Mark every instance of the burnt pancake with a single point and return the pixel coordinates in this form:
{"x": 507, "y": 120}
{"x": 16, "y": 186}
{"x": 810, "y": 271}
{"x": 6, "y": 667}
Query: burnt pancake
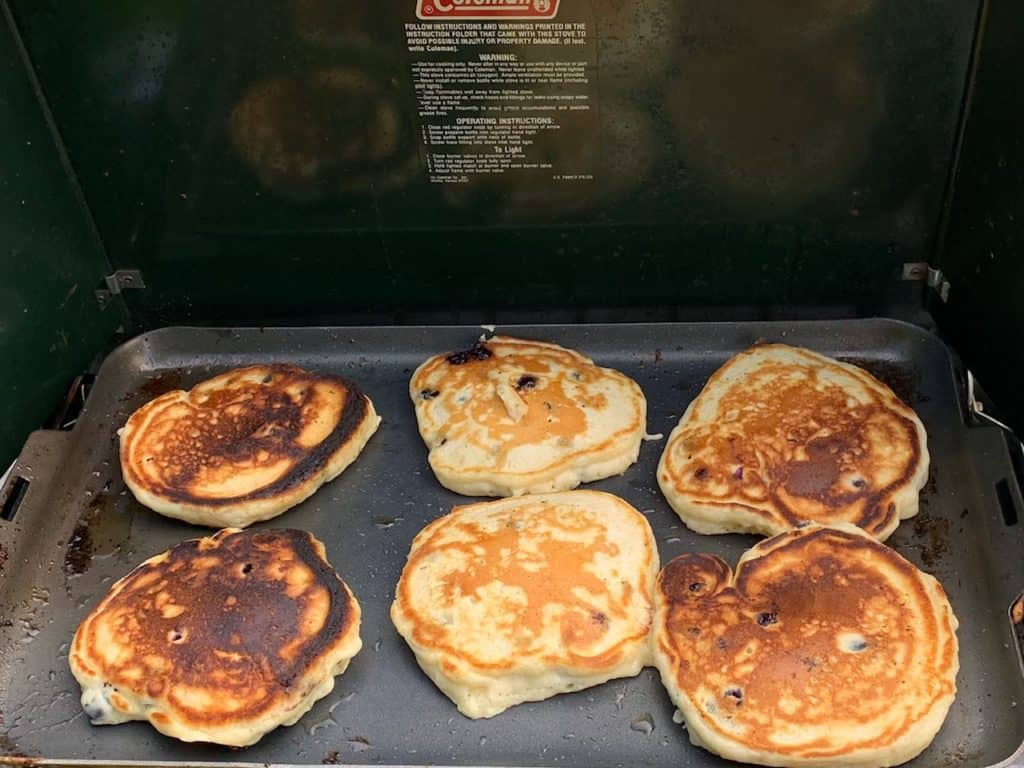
{"x": 824, "y": 648}
{"x": 522, "y": 599}
{"x": 513, "y": 416}
{"x": 245, "y": 445}
{"x": 782, "y": 435}
{"x": 220, "y": 639}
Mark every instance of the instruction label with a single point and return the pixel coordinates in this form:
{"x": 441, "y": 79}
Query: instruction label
{"x": 503, "y": 97}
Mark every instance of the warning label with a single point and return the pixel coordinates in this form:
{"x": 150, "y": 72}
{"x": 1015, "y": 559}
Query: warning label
{"x": 498, "y": 97}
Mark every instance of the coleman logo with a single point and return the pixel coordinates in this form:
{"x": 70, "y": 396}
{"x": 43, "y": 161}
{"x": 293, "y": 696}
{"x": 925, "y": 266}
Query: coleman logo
{"x": 447, "y": 10}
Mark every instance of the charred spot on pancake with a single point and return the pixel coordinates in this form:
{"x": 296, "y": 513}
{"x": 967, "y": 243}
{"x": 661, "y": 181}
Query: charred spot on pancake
{"x": 477, "y": 352}
{"x": 689, "y": 578}
{"x": 599, "y": 618}
{"x": 859, "y": 482}
{"x": 701, "y": 473}
{"x": 268, "y": 378}
{"x": 429, "y": 394}
{"x": 736, "y": 694}
{"x": 247, "y": 568}
{"x": 721, "y": 644}
{"x": 767, "y": 618}
{"x": 737, "y": 473}
{"x": 526, "y": 382}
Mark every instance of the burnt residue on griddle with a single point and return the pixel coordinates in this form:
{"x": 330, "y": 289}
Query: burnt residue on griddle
{"x": 901, "y": 379}
{"x": 154, "y": 386}
{"x": 100, "y": 530}
{"x": 79, "y": 552}
{"x": 331, "y": 758}
{"x": 930, "y": 488}
{"x": 3, "y": 557}
{"x": 932, "y": 536}
{"x": 477, "y": 352}
{"x": 9, "y": 750}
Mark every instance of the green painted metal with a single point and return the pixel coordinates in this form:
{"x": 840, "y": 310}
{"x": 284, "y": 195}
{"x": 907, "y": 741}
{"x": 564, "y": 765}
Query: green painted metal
{"x": 51, "y": 262}
{"x": 983, "y": 254}
{"x": 791, "y": 155}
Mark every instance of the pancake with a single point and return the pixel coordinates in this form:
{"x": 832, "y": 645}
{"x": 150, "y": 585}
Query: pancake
{"x": 782, "y": 435}
{"x": 244, "y": 446}
{"x": 824, "y": 648}
{"x": 522, "y": 599}
{"x": 220, "y": 639}
{"x": 511, "y": 416}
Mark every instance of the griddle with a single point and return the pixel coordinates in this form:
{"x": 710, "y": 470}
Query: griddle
{"x": 77, "y": 530}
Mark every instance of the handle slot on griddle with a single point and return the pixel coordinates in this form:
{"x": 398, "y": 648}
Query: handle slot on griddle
{"x": 1006, "y": 505}
{"x": 13, "y": 495}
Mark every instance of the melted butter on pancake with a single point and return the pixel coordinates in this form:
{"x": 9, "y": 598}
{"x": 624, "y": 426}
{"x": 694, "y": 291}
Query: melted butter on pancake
{"x": 824, "y": 644}
{"x": 514, "y": 414}
{"x": 781, "y": 435}
{"x": 554, "y": 585}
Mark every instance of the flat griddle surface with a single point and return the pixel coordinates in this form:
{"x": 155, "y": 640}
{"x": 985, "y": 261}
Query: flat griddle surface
{"x": 78, "y": 530}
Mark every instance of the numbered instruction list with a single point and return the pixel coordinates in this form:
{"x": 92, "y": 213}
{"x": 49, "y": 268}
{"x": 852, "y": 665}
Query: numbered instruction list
{"x": 492, "y": 95}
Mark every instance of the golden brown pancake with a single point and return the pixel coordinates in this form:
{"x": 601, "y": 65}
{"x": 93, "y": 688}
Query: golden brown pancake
{"x": 782, "y": 435}
{"x": 824, "y": 648}
{"x": 244, "y": 446}
{"x": 521, "y": 599}
{"x": 513, "y": 416}
{"x": 220, "y": 639}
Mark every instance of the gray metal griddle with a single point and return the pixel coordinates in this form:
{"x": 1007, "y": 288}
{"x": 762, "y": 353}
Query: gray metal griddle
{"x": 78, "y": 529}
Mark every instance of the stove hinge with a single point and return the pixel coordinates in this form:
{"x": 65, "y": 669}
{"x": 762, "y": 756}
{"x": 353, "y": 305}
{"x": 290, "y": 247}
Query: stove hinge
{"x": 924, "y": 272}
{"x": 118, "y": 281}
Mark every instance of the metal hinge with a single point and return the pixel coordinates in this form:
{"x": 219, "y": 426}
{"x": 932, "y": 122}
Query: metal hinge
{"x": 924, "y": 272}
{"x": 120, "y": 280}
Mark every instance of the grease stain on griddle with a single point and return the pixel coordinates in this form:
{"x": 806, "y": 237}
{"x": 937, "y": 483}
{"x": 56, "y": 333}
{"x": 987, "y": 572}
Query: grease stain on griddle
{"x": 99, "y": 532}
{"x": 901, "y": 379}
{"x": 359, "y": 743}
{"x": 154, "y": 386}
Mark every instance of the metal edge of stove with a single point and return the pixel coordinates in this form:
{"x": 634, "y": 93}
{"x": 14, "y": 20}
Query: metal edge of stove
{"x": 46, "y": 451}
